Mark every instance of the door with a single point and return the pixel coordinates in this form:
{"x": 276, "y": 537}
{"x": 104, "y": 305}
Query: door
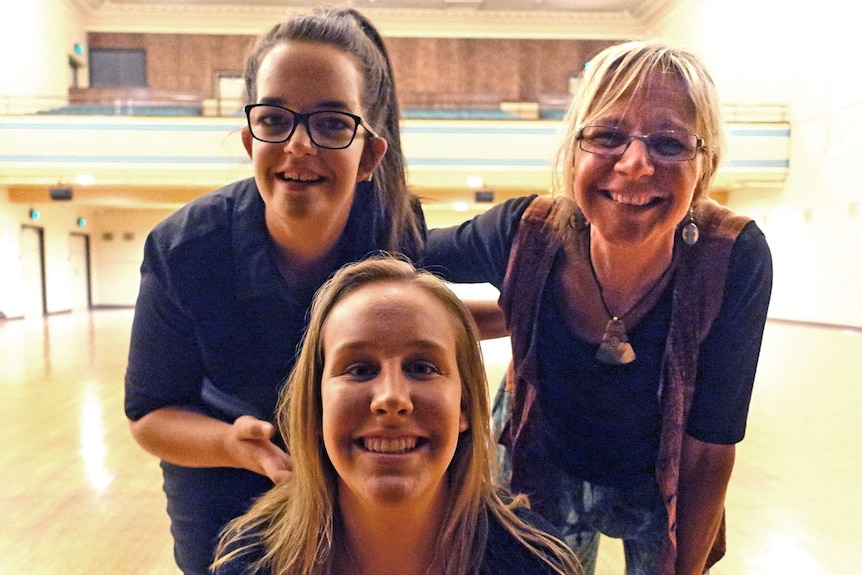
{"x": 79, "y": 271}
{"x": 33, "y": 271}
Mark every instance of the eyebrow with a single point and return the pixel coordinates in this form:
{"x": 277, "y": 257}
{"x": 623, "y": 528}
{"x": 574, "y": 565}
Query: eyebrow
{"x": 323, "y": 105}
{"x": 363, "y": 344}
{"x": 661, "y": 127}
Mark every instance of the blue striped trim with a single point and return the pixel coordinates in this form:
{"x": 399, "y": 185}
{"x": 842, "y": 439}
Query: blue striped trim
{"x": 756, "y": 164}
{"x": 520, "y": 163}
{"x": 491, "y": 162}
{"x": 760, "y": 132}
{"x": 405, "y": 128}
{"x": 513, "y": 130}
{"x": 125, "y": 159}
{"x": 137, "y": 127}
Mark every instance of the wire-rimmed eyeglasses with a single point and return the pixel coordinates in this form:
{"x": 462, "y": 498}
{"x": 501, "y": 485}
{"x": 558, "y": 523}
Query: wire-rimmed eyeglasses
{"x": 667, "y": 145}
{"x": 333, "y": 130}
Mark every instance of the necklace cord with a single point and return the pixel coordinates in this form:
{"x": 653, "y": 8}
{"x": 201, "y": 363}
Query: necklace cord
{"x": 640, "y": 300}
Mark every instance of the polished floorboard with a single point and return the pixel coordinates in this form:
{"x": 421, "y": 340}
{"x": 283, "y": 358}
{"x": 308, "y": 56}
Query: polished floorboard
{"x": 79, "y": 496}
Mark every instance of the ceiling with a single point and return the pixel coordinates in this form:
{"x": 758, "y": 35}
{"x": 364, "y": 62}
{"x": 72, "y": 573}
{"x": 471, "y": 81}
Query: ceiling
{"x": 474, "y": 18}
{"x": 487, "y": 5}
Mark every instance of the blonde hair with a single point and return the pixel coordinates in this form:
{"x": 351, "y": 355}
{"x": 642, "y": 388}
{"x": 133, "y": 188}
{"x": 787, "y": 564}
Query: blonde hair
{"x": 619, "y": 71}
{"x": 294, "y": 528}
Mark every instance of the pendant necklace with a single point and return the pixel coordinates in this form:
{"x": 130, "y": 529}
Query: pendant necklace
{"x": 615, "y": 348}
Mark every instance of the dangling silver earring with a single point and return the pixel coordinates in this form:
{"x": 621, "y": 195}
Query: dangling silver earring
{"x": 690, "y": 231}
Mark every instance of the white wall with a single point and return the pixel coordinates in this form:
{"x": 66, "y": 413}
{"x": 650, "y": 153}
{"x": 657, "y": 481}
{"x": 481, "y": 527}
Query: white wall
{"x": 36, "y": 39}
{"x": 804, "y": 54}
{"x": 116, "y": 249}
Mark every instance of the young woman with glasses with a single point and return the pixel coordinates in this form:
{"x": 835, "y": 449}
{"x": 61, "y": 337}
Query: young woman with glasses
{"x": 636, "y": 308}
{"x": 227, "y": 281}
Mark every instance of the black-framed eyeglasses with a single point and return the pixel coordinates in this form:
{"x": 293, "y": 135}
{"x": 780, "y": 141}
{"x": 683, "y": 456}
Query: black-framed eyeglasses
{"x": 327, "y": 128}
{"x": 668, "y": 145}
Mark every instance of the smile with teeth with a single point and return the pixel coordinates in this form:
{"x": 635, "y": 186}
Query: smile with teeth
{"x": 633, "y": 199}
{"x": 389, "y": 445}
{"x": 297, "y": 177}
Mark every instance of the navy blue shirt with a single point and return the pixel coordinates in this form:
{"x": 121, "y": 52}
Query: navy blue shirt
{"x": 604, "y": 421}
{"x": 216, "y": 327}
{"x": 216, "y": 331}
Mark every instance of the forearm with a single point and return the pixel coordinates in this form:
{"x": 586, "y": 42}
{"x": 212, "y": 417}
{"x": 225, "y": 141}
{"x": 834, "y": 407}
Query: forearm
{"x": 704, "y": 475}
{"x": 489, "y": 318}
{"x": 183, "y": 437}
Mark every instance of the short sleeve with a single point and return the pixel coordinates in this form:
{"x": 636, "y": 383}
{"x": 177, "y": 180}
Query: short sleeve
{"x": 728, "y": 357}
{"x": 165, "y": 365}
{"x": 476, "y": 251}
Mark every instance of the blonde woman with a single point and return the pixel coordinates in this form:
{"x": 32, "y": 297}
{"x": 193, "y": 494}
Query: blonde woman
{"x": 386, "y": 418}
{"x": 636, "y": 307}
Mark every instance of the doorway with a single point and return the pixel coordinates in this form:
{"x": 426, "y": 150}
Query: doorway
{"x": 79, "y": 271}
{"x": 33, "y": 270}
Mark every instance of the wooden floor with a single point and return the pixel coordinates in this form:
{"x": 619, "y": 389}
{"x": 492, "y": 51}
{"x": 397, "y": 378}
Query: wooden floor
{"x": 79, "y": 496}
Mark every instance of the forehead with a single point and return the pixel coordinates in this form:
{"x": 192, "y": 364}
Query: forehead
{"x": 660, "y": 101}
{"x": 306, "y": 70}
{"x": 390, "y": 310}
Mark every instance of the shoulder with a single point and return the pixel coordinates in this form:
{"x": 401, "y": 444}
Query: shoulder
{"x": 554, "y": 208}
{"x": 202, "y": 240}
{"x": 508, "y": 212}
{"x": 726, "y": 234}
{"x": 750, "y": 266}
{"x": 750, "y": 255}
{"x": 209, "y": 214}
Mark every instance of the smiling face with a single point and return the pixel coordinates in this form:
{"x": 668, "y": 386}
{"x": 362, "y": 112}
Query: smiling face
{"x": 391, "y": 395}
{"x": 297, "y": 180}
{"x": 634, "y": 199}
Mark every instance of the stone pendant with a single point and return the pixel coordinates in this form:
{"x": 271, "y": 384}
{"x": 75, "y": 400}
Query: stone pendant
{"x": 615, "y": 348}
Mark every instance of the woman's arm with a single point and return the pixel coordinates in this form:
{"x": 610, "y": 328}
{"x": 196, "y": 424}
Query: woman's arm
{"x": 187, "y": 438}
{"x": 489, "y": 318}
{"x": 705, "y": 470}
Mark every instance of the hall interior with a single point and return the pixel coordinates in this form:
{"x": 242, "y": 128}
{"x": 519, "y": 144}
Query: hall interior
{"x": 81, "y": 497}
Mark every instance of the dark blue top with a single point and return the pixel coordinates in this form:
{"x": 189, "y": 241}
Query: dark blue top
{"x": 216, "y": 327}
{"x": 216, "y": 331}
{"x": 604, "y": 421}
{"x": 504, "y": 555}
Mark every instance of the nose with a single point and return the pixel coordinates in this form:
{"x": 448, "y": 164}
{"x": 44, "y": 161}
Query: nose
{"x": 299, "y": 141}
{"x": 391, "y": 393}
{"x": 635, "y": 160}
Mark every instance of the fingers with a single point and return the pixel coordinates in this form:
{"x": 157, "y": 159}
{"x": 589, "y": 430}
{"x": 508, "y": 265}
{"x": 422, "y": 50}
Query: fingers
{"x": 278, "y": 468}
{"x": 248, "y": 427}
{"x": 256, "y": 450}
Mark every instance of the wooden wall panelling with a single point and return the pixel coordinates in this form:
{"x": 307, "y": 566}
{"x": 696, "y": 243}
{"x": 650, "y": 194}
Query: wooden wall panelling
{"x": 164, "y": 60}
{"x": 426, "y": 69}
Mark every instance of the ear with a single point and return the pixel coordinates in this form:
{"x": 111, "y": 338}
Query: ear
{"x": 372, "y": 153}
{"x": 246, "y": 140}
{"x": 463, "y": 422}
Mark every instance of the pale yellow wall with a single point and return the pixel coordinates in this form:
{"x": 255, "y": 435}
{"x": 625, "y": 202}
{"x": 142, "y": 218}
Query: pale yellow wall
{"x": 56, "y": 221}
{"x": 36, "y": 38}
{"x": 11, "y": 303}
{"x": 808, "y": 56}
{"x": 117, "y": 249}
